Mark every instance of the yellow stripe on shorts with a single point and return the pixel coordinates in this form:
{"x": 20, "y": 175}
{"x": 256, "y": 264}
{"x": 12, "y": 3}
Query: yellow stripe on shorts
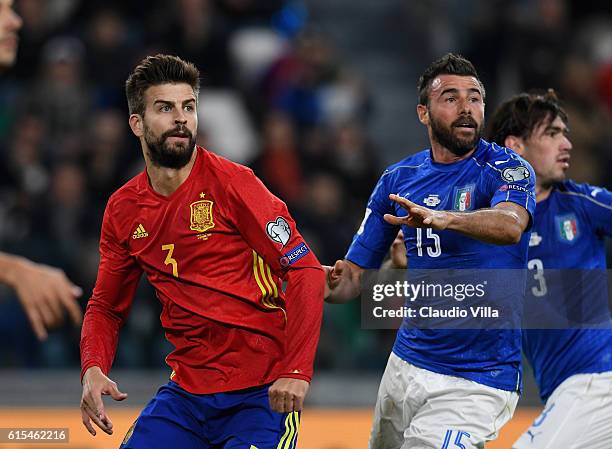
{"x": 289, "y": 438}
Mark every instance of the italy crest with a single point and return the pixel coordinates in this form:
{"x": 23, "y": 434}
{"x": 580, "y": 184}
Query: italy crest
{"x": 567, "y": 226}
{"x": 201, "y": 215}
{"x": 463, "y": 198}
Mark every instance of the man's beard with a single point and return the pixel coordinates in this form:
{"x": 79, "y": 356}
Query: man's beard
{"x": 549, "y": 181}
{"x": 444, "y": 136}
{"x": 164, "y": 155}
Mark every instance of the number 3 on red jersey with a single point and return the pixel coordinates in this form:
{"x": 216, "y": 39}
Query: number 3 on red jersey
{"x": 169, "y": 260}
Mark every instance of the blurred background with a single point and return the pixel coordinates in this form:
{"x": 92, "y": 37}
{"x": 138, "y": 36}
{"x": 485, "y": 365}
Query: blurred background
{"x": 317, "y": 96}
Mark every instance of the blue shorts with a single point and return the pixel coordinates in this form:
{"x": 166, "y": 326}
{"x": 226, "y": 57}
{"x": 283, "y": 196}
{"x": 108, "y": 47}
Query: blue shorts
{"x": 235, "y": 420}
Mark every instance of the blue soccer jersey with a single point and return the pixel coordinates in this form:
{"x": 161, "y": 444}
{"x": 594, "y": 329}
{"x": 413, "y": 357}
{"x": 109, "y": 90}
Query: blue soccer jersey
{"x": 490, "y": 176}
{"x": 569, "y": 230}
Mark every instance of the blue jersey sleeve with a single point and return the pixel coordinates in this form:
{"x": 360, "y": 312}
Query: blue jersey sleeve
{"x": 597, "y": 204}
{"x": 374, "y": 237}
{"x": 512, "y": 180}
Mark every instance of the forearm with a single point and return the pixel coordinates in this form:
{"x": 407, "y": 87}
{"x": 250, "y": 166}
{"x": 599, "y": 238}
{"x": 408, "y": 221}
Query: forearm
{"x": 10, "y": 266}
{"x": 99, "y": 337}
{"x": 497, "y": 226}
{"x": 304, "y": 303}
{"x": 107, "y": 311}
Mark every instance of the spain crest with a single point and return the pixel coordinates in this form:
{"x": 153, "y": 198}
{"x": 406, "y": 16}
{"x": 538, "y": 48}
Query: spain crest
{"x": 201, "y": 215}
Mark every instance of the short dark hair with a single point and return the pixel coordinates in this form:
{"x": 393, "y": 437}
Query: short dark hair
{"x": 522, "y": 114}
{"x": 155, "y": 70}
{"x": 449, "y": 64}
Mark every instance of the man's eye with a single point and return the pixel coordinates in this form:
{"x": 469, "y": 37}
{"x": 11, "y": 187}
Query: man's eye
{"x": 451, "y": 99}
{"x": 165, "y": 108}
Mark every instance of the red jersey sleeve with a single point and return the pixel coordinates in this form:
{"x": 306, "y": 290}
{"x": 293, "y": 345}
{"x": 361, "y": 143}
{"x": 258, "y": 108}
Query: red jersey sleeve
{"x": 265, "y": 224}
{"x": 108, "y": 307}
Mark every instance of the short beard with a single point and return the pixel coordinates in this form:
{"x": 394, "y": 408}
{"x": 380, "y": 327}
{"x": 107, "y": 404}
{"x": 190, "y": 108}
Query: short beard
{"x": 550, "y": 182}
{"x": 444, "y": 136}
{"x": 162, "y": 155}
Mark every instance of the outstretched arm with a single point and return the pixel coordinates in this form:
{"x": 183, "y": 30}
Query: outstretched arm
{"x": 502, "y": 224}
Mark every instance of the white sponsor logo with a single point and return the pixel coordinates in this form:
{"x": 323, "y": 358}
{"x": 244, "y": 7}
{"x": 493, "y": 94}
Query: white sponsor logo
{"x": 595, "y": 191}
{"x": 279, "y": 230}
{"x": 432, "y": 200}
{"x": 515, "y": 173}
{"x": 534, "y": 239}
{"x": 501, "y": 162}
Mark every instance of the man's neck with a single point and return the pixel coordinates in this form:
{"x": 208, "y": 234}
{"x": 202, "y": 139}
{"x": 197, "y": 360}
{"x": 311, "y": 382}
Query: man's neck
{"x": 165, "y": 180}
{"x": 542, "y": 192}
{"x": 443, "y": 155}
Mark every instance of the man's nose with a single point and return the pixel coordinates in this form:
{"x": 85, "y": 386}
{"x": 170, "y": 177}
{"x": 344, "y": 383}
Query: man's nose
{"x": 464, "y": 106}
{"x": 14, "y": 22}
{"x": 180, "y": 117}
{"x": 566, "y": 144}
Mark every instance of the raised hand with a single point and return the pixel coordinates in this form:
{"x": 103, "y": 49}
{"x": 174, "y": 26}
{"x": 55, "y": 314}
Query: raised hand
{"x": 418, "y": 216}
{"x": 343, "y": 282}
{"x": 45, "y": 293}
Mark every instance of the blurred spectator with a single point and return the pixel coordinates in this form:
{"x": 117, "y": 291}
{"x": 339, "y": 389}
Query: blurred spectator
{"x": 26, "y": 168}
{"x": 541, "y": 43}
{"x": 106, "y": 153}
{"x": 249, "y": 12}
{"x": 589, "y": 123}
{"x": 293, "y": 82}
{"x": 252, "y": 51}
{"x": 34, "y": 34}
{"x": 193, "y": 30}
{"x": 279, "y": 164}
{"x": 323, "y": 218}
{"x": 355, "y": 161}
{"x": 107, "y": 42}
{"x": 60, "y": 97}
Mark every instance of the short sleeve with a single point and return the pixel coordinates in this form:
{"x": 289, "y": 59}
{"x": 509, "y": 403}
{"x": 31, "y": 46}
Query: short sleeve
{"x": 512, "y": 180}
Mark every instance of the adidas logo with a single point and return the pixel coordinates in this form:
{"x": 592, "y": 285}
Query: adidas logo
{"x": 140, "y": 232}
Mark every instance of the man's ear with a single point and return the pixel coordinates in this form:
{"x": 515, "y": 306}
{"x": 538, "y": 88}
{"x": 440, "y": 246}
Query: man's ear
{"x": 423, "y": 114}
{"x": 515, "y": 143}
{"x": 136, "y": 124}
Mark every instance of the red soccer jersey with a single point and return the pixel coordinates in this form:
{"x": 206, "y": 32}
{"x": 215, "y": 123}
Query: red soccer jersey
{"x": 216, "y": 251}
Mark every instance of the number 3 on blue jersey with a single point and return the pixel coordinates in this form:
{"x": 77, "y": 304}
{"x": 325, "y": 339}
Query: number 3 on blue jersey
{"x": 541, "y": 289}
{"x": 457, "y": 443}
